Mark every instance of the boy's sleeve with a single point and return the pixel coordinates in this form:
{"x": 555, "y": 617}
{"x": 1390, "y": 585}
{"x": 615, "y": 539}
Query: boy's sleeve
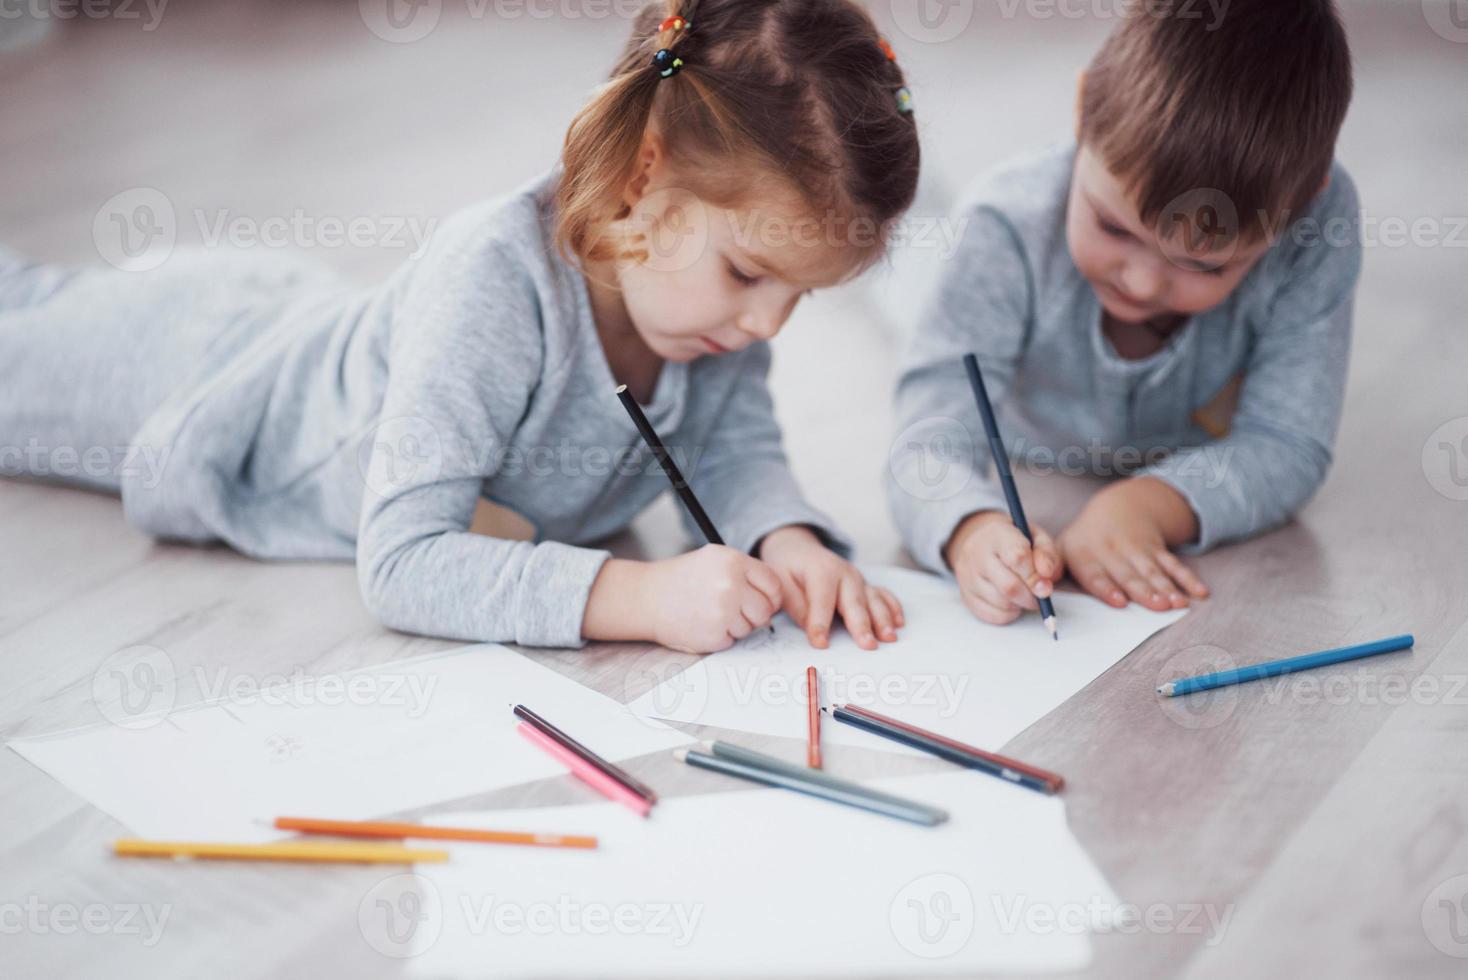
{"x": 463, "y": 362}
{"x": 1278, "y": 448}
{"x": 742, "y": 478}
{"x": 939, "y": 462}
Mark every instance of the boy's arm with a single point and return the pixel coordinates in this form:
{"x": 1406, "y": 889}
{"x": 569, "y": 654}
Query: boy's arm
{"x": 937, "y": 469}
{"x": 1278, "y": 448}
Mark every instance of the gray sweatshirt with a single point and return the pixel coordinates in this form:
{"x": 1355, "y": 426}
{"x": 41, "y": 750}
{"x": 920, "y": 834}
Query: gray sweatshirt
{"x": 1067, "y": 402}
{"x": 367, "y": 425}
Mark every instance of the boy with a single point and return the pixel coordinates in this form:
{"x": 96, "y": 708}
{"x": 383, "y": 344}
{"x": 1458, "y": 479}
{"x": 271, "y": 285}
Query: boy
{"x": 1168, "y": 298}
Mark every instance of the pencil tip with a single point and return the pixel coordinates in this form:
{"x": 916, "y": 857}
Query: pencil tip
{"x": 621, "y": 388}
{"x": 1053, "y": 627}
{"x": 1165, "y": 689}
{"x": 681, "y": 755}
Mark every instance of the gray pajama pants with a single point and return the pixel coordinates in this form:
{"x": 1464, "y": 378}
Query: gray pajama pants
{"x": 88, "y": 353}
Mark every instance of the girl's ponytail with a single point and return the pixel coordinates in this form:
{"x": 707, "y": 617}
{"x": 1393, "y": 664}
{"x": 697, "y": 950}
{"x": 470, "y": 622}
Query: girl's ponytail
{"x": 602, "y": 145}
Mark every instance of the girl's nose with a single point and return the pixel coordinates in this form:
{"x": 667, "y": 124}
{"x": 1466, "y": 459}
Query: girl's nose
{"x": 761, "y": 325}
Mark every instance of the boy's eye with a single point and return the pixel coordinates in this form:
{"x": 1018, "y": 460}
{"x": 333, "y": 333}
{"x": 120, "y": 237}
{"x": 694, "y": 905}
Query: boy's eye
{"x": 1115, "y": 231}
{"x": 740, "y": 277}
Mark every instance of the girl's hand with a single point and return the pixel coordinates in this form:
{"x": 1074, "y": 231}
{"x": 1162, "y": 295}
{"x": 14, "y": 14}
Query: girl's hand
{"x": 1118, "y": 546}
{"x": 816, "y": 583}
{"x": 700, "y": 602}
{"x": 999, "y": 572}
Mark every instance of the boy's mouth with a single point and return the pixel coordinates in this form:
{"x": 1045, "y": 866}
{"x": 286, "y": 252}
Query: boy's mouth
{"x": 714, "y": 346}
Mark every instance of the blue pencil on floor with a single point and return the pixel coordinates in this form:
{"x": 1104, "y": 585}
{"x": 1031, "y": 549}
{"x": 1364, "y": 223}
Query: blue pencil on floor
{"x": 1289, "y": 665}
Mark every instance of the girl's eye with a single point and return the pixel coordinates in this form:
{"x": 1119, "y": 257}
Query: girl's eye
{"x": 740, "y": 277}
{"x": 1113, "y": 230}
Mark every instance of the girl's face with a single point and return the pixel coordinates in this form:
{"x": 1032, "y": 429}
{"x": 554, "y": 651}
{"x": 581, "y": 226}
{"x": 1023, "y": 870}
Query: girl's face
{"x": 711, "y": 281}
{"x": 1142, "y": 273}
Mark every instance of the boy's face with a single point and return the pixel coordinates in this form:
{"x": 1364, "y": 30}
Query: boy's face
{"x": 1143, "y": 273}
{"x": 711, "y": 281}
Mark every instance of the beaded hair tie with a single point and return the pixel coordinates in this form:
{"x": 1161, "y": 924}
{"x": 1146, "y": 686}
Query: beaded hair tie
{"x": 667, "y": 63}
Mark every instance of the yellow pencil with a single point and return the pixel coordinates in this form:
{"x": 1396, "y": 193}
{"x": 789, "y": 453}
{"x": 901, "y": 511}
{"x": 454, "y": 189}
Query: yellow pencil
{"x": 285, "y": 851}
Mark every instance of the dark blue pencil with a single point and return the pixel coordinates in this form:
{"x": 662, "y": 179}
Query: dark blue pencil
{"x": 1006, "y": 479}
{"x": 1289, "y": 665}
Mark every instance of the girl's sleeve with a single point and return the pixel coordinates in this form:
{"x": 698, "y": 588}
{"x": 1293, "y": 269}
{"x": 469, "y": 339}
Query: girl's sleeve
{"x": 742, "y": 478}
{"x": 466, "y": 354}
{"x": 1278, "y": 448}
{"x": 939, "y": 462}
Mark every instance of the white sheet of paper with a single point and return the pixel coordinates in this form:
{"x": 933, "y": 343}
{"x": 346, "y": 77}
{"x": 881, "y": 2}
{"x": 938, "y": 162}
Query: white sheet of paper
{"x": 755, "y": 882}
{"x": 346, "y": 747}
{"x": 948, "y": 672}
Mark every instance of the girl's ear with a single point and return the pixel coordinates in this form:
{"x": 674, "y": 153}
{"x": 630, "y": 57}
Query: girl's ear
{"x": 651, "y": 161}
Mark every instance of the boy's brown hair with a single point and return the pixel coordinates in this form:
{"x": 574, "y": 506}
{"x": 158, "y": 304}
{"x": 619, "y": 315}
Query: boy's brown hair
{"x": 1248, "y": 105}
{"x": 801, "y": 91}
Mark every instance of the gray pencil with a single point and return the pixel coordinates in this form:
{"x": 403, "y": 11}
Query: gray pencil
{"x": 731, "y": 760}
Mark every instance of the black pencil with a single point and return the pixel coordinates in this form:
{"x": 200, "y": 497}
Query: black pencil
{"x": 571, "y": 745}
{"x": 1006, "y": 479}
{"x": 685, "y": 492}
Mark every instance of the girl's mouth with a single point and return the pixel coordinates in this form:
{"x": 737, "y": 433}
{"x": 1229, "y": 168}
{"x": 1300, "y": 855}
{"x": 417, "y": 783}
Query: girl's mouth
{"x": 714, "y": 347}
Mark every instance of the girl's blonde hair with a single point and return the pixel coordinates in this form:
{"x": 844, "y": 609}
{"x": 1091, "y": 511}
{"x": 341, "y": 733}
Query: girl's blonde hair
{"x": 802, "y": 90}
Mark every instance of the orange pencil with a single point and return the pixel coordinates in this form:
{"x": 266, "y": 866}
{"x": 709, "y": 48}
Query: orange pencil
{"x": 813, "y": 718}
{"x": 379, "y": 828}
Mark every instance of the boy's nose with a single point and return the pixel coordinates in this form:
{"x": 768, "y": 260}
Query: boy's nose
{"x": 1141, "y": 281}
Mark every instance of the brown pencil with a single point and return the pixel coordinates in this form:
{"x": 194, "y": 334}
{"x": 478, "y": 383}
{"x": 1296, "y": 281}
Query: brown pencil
{"x": 813, "y": 718}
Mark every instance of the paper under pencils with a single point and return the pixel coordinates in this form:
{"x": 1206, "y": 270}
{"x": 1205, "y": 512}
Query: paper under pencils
{"x": 1288, "y": 665}
{"x": 813, "y": 718}
{"x": 585, "y": 771}
{"x": 1006, "y": 478}
{"x": 381, "y": 828}
{"x": 284, "y": 851}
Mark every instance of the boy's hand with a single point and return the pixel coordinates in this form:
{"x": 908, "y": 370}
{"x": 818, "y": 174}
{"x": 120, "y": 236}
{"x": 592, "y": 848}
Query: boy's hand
{"x": 816, "y": 583}
{"x": 1119, "y": 546}
{"x": 999, "y": 573}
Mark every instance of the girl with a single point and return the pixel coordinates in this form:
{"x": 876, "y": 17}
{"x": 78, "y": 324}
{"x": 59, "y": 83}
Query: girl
{"x": 743, "y": 153}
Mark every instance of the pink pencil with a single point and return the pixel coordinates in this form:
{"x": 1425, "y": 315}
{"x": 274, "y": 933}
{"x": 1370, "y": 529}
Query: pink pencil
{"x": 587, "y": 773}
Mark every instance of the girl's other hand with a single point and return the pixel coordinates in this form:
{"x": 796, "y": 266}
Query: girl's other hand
{"x": 816, "y": 584}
